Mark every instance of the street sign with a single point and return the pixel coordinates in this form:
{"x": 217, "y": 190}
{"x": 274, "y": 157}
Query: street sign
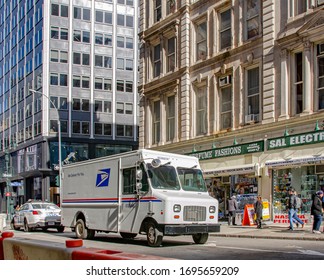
{"x": 6, "y": 175}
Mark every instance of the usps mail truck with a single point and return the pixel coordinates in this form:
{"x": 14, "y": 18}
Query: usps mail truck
{"x": 139, "y": 192}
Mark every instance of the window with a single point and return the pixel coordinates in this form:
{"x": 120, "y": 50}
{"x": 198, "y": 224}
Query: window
{"x": 201, "y": 110}
{"x": 64, "y": 34}
{"x": 120, "y": 20}
{"x": 157, "y": 61}
{"x": 120, "y": 108}
{"x": 55, "y": 9}
{"x": 63, "y": 79}
{"x": 77, "y": 35}
{"x": 129, "y": 43}
{"x": 129, "y": 21}
{"x": 98, "y": 106}
{"x": 170, "y": 125}
{"x": 298, "y": 7}
{"x": 98, "y": 38}
{"x": 85, "y": 36}
{"x": 129, "y": 181}
{"x": 104, "y": 129}
{"x": 170, "y": 8}
{"x": 120, "y": 85}
{"x": 129, "y": 86}
{"x": 86, "y": 14}
{"x": 54, "y": 56}
{"x": 77, "y": 13}
{"x": 63, "y": 103}
{"x": 156, "y": 122}
{"x": 107, "y": 84}
{"x": 54, "y": 32}
{"x": 320, "y": 79}
{"x": 157, "y": 10}
{"x": 120, "y": 42}
{"x": 128, "y": 108}
{"x": 171, "y": 54}
{"x": 76, "y": 81}
{"x": 226, "y": 107}
{"x": 108, "y": 39}
{"x": 253, "y": 94}
{"x": 76, "y": 127}
{"x": 54, "y": 79}
{"x": 99, "y": 16}
{"x": 225, "y": 30}
{"x": 64, "y": 11}
{"x": 85, "y": 105}
{"x": 298, "y": 83}
{"x": 201, "y": 41}
{"x": 252, "y": 18}
{"x": 85, "y": 82}
{"x": 129, "y": 65}
{"x": 85, "y": 127}
{"x": 76, "y": 58}
{"x": 76, "y": 105}
{"x": 107, "y": 62}
{"x": 63, "y": 57}
{"x": 98, "y": 83}
{"x": 107, "y": 107}
{"x": 120, "y": 63}
{"x": 98, "y": 60}
{"x": 85, "y": 59}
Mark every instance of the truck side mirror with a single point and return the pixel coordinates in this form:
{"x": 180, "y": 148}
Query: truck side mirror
{"x": 138, "y": 186}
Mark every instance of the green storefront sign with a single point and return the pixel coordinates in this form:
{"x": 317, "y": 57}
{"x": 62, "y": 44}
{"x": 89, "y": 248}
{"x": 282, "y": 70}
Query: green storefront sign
{"x": 295, "y": 140}
{"x": 236, "y": 150}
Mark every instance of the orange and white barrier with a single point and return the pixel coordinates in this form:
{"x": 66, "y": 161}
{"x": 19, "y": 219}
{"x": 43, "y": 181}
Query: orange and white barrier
{"x": 27, "y": 249}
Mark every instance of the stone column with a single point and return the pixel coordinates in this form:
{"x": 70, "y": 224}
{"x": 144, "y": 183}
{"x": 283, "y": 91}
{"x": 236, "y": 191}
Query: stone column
{"x": 307, "y": 96}
{"x": 284, "y": 90}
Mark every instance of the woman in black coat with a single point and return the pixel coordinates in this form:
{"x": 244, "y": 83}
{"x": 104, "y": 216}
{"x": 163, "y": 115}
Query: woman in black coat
{"x": 258, "y": 208}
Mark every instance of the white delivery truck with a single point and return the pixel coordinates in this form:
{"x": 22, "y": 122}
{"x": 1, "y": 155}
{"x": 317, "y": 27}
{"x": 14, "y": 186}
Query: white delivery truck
{"x": 138, "y": 192}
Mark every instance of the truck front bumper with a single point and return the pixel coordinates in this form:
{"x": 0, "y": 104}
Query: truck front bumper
{"x": 190, "y": 229}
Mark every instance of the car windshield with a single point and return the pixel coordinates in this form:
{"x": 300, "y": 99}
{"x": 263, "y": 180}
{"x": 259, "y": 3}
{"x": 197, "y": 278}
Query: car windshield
{"x": 191, "y": 179}
{"x": 46, "y": 206}
{"x": 163, "y": 177}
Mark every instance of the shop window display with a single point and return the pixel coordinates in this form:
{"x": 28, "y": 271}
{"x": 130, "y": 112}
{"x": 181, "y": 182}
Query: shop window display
{"x": 302, "y": 179}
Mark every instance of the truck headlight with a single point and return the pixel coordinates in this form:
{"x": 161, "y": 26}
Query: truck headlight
{"x": 176, "y": 208}
{"x": 212, "y": 209}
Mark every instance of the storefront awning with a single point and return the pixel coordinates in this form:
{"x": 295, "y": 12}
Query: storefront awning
{"x": 310, "y": 160}
{"x": 233, "y": 170}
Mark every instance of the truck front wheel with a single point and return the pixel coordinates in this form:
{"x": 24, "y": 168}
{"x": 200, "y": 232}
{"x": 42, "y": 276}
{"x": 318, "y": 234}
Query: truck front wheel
{"x": 154, "y": 236}
{"x": 200, "y": 238}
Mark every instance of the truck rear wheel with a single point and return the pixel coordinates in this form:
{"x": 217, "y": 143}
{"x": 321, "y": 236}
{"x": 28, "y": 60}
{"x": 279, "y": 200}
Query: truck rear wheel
{"x": 200, "y": 238}
{"x": 154, "y": 236}
{"x": 80, "y": 229}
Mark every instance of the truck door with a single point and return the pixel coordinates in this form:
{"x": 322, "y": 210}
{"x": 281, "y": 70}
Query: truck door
{"x": 132, "y": 206}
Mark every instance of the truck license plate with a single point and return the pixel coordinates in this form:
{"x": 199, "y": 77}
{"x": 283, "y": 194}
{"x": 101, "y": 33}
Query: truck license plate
{"x": 51, "y": 223}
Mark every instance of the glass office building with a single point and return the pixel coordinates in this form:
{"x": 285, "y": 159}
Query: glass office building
{"x": 67, "y": 60}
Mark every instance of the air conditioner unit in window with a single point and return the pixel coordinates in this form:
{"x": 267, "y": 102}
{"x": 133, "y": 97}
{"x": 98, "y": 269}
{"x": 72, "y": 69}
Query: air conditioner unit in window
{"x": 251, "y": 118}
{"x": 225, "y": 80}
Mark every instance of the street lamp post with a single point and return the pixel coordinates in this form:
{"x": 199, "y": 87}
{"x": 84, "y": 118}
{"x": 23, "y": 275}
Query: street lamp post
{"x": 59, "y": 134}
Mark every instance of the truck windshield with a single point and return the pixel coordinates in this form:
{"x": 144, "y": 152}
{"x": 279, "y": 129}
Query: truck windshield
{"x": 192, "y": 179}
{"x": 163, "y": 177}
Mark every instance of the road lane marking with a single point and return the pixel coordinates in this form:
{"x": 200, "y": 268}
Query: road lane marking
{"x": 299, "y": 252}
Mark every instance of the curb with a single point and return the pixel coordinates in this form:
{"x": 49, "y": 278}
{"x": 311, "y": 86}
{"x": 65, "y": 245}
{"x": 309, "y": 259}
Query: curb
{"x": 269, "y": 237}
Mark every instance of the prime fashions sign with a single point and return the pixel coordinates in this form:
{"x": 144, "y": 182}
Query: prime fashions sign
{"x": 230, "y": 151}
{"x": 295, "y": 140}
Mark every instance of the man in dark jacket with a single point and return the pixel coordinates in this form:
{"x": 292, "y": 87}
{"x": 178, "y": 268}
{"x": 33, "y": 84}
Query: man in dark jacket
{"x": 231, "y": 208}
{"x": 292, "y": 210}
{"x": 317, "y": 211}
{"x": 258, "y": 209}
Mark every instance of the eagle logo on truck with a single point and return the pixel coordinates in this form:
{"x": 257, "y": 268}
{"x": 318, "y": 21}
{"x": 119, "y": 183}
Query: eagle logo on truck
{"x": 103, "y": 178}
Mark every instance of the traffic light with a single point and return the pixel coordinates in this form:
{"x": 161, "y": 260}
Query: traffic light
{"x": 57, "y": 180}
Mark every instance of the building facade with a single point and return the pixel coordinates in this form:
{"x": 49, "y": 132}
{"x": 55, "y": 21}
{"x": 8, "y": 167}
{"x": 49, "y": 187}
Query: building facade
{"x": 238, "y": 84}
{"x": 67, "y": 60}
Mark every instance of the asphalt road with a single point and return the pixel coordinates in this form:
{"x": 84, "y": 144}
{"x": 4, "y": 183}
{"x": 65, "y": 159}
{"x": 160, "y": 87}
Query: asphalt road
{"x": 182, "y": 247}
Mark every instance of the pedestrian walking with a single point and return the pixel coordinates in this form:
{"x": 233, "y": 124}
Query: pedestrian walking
{"x": 258, "y": 208}
{"x": 317, "y": 211}
{"x": 231, "y": 208}
{"x": 292, "y": 209}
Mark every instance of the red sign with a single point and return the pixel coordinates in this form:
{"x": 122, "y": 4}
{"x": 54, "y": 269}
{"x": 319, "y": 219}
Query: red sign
{"x": 283, "y": 219}
{"x": 8, "y": 193}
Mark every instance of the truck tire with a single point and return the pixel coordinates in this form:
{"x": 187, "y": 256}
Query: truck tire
{"x": 12, "y": 225}
{"x": 128, "y": 235}
{"x": 154, "y": 236}
{"x": 60, "y": 229}
{"x": 80, "y": 229}
{"x": 200, "y": 238}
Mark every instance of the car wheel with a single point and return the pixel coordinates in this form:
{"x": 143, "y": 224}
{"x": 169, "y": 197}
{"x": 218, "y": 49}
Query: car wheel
{"x": 154, "y": 236}
{"x": 128, "y": 235}
{"x": 12, "y": 225}
{"x": 60, "y": 229}
{"x": 80, "y": 229}
{"x": 27, "y": 228}
{"x": 200, "y": 238}
{"x": 44, "y": 229}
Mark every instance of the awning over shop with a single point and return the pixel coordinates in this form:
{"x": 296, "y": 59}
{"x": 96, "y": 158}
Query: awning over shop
{"x": 310, "y": 160}
{"x": 233, "y": 170}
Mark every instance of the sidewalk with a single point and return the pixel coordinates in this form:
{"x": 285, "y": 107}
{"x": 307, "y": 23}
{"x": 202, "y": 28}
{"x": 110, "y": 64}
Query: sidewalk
{"x": 270, "y": 231}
